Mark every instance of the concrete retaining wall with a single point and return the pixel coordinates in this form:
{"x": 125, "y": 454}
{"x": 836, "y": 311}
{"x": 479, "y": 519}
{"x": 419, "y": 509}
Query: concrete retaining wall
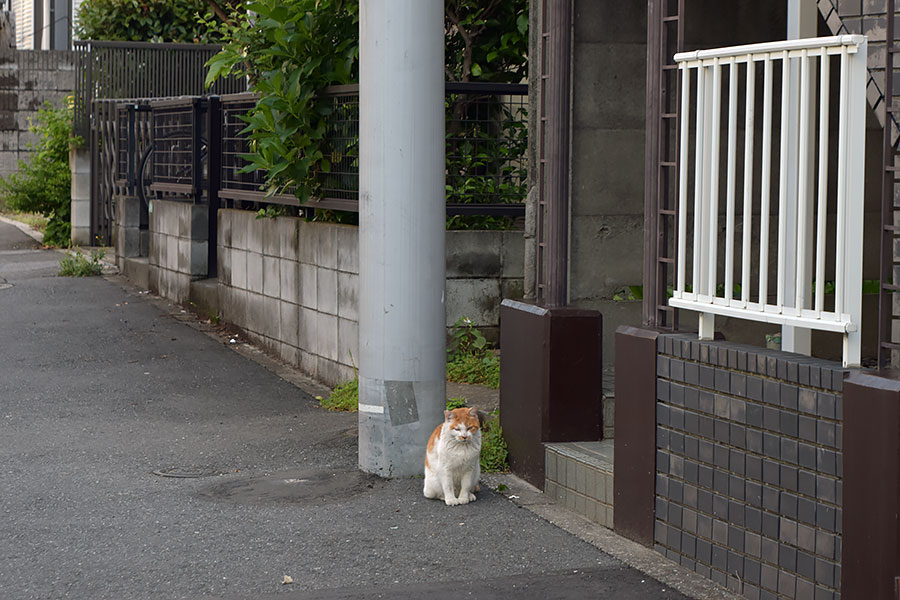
{"x": 178, "y": 247}
{"x": 292, "y": 285}
{"x": 28, "y": 79}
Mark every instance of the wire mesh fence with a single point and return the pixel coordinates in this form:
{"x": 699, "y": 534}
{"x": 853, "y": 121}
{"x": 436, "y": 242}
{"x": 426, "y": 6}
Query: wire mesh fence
{"x": 163, "y": 148}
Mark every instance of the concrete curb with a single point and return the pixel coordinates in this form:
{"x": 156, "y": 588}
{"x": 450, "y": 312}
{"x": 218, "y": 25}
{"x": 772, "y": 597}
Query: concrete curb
{"x": 26, "y": 229}
{"x": 631, "y": 553}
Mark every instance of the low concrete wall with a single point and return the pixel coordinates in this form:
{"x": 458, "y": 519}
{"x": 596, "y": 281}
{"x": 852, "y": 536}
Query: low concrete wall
{"x": 292, "y": 285}
{"x": 178, "y": 247}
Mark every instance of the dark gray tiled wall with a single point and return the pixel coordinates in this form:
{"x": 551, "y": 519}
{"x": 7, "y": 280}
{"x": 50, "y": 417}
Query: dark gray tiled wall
{"x": 748, "y": 467}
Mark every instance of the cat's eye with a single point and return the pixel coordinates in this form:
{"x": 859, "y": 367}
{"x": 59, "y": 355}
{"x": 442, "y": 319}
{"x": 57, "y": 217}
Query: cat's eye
{"x": 472, "y": 428}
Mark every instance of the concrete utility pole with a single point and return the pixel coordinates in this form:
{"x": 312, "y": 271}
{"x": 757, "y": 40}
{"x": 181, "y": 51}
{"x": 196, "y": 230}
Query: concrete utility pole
{"x": 402, "y": 377}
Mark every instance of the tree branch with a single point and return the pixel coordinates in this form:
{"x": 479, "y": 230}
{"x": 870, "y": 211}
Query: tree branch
{"x": 220, "y": 12}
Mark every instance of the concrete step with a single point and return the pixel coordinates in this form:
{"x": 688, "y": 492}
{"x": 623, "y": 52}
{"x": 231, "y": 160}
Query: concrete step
{"x": 579, "y": 475}
{"x": 137, "y": 270}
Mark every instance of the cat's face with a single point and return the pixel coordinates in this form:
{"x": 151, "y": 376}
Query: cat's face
{"x": 462, "y": 423}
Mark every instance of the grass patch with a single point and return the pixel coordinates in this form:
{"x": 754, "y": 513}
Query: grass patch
{"x": 36, "y": 221}
{"x": 344, "y": 397}
{"x": 454, "y": 403}
{"x": 76, "y": 264}
{"x": 494, "y": 453}
{"x": 469, "y": 368}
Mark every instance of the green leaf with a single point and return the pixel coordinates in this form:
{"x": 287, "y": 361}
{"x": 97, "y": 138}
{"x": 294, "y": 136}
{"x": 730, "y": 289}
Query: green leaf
{"x": 522, "y": 24}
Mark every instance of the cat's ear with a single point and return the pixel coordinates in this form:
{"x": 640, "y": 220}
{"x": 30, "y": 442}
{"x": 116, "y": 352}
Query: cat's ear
{"x": 473, "y": 412}
{"x": 448, "y": 415}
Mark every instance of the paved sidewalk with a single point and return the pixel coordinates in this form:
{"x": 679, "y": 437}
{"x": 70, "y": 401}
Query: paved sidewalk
{"x": 101, "y": 388}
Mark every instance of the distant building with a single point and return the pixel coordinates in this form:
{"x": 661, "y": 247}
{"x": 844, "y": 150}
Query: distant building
{"x": 42, "y": 24}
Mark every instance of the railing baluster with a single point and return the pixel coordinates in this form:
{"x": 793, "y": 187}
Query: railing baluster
{"x": 783, "y": 177}
{"x": 765, "y": 185}
{"x": 713, "y": 208}
{"x": 802, "y": 259}
{"x": 748, "y": 178}
{"x": 698, "y": 177}
{"x": 729, "y": 197}
{"x": 825, "y": 68}
{"x": 844, "y": 119}
{"x": 683, "y": 175}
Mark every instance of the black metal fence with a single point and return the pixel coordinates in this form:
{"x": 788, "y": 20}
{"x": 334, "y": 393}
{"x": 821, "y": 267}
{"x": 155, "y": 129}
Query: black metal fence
{"x": 192, "y": 148}
{"x": 487, "y": 141}
{"x": 141, "y": 70}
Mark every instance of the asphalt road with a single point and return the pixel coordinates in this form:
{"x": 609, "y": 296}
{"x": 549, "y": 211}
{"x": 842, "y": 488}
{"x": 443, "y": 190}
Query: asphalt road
{"x": 100, "y": 388}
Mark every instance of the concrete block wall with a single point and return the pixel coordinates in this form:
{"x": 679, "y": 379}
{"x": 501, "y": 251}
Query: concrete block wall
{"x": 483, "y": 268}
{"x": 749, "y": 467}
{"x": 293, "y": 285}
{"x": 178, "y": 247}
{"x": 130, "y": 240}
{"x": 28, "y": 79}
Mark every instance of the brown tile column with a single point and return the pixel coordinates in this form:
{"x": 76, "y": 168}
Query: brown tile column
{"x": 870, "y": 553}
{"x": 635, "y": 455}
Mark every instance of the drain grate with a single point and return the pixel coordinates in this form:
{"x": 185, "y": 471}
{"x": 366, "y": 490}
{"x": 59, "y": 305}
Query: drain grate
{"x": 188, "y": 472}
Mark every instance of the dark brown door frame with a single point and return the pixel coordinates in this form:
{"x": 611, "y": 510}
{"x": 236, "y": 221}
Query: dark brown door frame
{"x": 554, "y": 138}
{"x": 665, "y": 36}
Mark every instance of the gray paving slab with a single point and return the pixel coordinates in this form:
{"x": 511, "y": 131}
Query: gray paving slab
{"x": 99, "y": 388}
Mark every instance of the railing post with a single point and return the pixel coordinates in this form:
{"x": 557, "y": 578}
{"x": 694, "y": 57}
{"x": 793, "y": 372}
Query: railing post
{"x": 214, "y": 179}
{"x": 707, "y": 326}
{"x": 853, "y": 207}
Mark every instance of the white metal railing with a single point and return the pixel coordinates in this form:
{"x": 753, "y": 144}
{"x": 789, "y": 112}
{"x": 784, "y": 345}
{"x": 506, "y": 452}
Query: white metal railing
{"x": 801, "y": 248}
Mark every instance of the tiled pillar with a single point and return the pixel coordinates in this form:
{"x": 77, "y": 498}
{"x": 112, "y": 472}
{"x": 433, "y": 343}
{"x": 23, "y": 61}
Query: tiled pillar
{"x": 635, "y": 457}
{"x": 871, "y": 552}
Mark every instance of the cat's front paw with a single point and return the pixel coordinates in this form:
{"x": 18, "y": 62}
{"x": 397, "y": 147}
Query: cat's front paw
{"x": 451, "y": 501}
{"x": 472, "y": 497}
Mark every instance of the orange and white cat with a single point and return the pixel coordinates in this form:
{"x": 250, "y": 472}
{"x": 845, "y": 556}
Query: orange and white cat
{"x": 452, "y": 466}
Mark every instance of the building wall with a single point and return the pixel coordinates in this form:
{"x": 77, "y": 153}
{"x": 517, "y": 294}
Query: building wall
{"x": 37, "y": 28}
{"x": 608, "y": 109}
{"x": 607, "y": 173}
{"x": 749, "y": 467}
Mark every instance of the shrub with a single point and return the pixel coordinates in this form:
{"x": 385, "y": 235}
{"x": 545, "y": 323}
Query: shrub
{"x": 44, "y": 184}
{"x": 292, "y": 49}
{"x": 144, "y": 20}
